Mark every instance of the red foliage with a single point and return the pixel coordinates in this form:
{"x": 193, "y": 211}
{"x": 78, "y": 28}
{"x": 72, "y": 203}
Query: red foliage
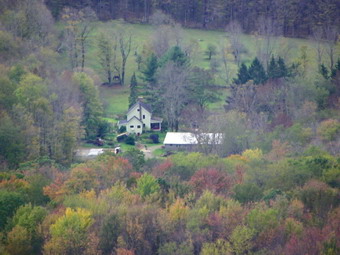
{"x": 135, "y": 175}
{"x": 55, "y": 190}
{"x": 211, "y": 179}
{"x": 310, "y": 243}
{"x": 239, "y": 174}
{"x": 159, "y": 170}
{"x": 214, "y": 221}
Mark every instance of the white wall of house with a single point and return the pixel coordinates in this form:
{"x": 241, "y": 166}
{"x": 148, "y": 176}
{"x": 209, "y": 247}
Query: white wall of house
{"x": 144, "y": 115}
{"x": 134, "y": 126}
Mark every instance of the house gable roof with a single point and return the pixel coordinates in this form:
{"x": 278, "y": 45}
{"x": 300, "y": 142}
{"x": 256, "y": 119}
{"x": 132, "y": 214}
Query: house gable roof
{"x": 140, "y": 104}
{"x": 126, "y": 122}
{"x": 134, "y": 117}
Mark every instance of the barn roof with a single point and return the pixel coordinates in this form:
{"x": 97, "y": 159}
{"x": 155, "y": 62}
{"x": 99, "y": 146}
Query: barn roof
{"x": 186, "y": 138}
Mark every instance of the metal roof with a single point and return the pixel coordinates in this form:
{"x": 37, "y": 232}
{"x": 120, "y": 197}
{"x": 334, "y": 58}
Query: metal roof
{"x": 186, "y": 138}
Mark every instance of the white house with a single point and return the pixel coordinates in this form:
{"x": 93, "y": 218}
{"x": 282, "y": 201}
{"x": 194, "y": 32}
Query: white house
{"x": 139, "y": 118}
{"x": 190, "y": 141}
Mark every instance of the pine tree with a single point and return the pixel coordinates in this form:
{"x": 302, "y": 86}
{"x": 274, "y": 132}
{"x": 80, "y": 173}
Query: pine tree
{"x": 133, "y": 90}
{"x": 176, "y": 55}
{"x": 273, "y": 69}
{"x": 150, "y": 69}
{"x": 243, "y": 75}
{"x": 283, "y": 71}
{"x": 257, "y": 72}
{"x": 324, "y": 71}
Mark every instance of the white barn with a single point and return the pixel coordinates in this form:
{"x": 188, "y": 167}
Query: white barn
{"x": 190, "y": 141}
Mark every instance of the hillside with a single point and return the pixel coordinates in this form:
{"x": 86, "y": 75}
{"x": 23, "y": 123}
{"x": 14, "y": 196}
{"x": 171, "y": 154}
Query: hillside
{"x": 260, "y": 174}
{"x": 116, "y": 99}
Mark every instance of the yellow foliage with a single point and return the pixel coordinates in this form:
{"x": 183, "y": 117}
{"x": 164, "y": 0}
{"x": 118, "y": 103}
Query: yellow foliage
{"x": 178, "y": 211}
{"x": 255, "y": 154}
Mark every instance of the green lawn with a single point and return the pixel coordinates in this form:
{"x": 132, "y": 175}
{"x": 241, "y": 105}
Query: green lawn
{"x": 115, "y": 98}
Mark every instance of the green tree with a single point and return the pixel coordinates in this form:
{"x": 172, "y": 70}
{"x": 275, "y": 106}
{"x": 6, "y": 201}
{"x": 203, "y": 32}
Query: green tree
{"x": 12, "y": 149}
{"x": 211, "y": 51}
{"x": 149, "y": 69}
{"x": 273, "y": 69}
{"x": 176, "y": 55}
{"x": 109, "y": 232}
{"x": 219, "y": 247}
{"x": 69, "y": 233}
{"x": 9, "y": 202}
{"x": 257, "y": 72}
{"x": 29, "y": 217}
{"x": 173, "y": 248}
{"x": 135, "y": 157}
{"x": 283, "y": 70}
{"x": 133, "y": 90}
{"x": 247, "y": 192}
{"x": 70, "y": 134}
{"x": 147, "y": 185}
{"x": 93, "y": 110}
{"x": 199, "y": 91}
{"x": 241, "y": 240}
{"x": 242, "y": 75}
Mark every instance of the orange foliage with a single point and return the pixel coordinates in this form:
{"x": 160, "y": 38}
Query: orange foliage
{"x": 279, "y": 150}
{"x": 121, "y": 251}
{"x": 14, "y": 184}
{"x": 55, "y": 190}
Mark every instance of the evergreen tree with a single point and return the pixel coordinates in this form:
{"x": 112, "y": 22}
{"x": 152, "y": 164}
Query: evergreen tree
{"x": 257, "y": 72}
{"x": 273, "y": 69}
{"x": 150, "y": 69}
{"x": 243, "y": 75}
{"x": 133, "y": 90}
{"x": 324, "y": 71}
{"x": 93, "y": 109}
{"x": 283, "y": 71}
{"x": 176, "y": 55}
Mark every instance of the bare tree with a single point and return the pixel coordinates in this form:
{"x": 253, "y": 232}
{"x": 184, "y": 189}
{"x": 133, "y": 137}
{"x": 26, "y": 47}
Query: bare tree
{"x": 172, "y": 80}
{"x": 124, "y": 44}
{"x": 226, "y": 56}
{"x": 77, "y": 30}
{"x": 167, "y": 33}
{"x": 267, "y": 30}
{"x": 234, "y": 31}
{"x": 331, "y": 35}
{"x": 105, "y": 54}
{"x": 317, "y": 37}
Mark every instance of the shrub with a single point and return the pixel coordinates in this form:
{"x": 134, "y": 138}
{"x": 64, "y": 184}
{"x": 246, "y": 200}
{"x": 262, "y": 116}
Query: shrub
{"x": 154, "y": 138}
{"x": 122, "y": 129}
{"x": 130, "y": 140}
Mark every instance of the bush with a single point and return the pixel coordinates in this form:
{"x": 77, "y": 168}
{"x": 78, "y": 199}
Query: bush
{"x": 130, "y": 140}
{"x": 122, "y": 129}
{"x": 154, "y": 138}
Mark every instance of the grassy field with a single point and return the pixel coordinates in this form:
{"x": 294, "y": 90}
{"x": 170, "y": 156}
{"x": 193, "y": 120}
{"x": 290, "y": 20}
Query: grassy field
{"x": 115, "y": 99}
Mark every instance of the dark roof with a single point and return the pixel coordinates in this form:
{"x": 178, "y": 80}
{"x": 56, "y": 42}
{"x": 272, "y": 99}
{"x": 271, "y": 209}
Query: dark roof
{"x": 122, "y": 122}
{"x": 156, "y": 119}
{"x": 144, "y": 105}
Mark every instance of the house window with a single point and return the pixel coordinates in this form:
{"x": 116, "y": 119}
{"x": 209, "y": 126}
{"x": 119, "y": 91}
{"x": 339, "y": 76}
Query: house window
{"x": 138, "y": 110}
{"x": 138, "y": 126}
{"x": 132, "y": 126}
{"x": 143, "y": 117}
{"x": 143, "y": 125}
